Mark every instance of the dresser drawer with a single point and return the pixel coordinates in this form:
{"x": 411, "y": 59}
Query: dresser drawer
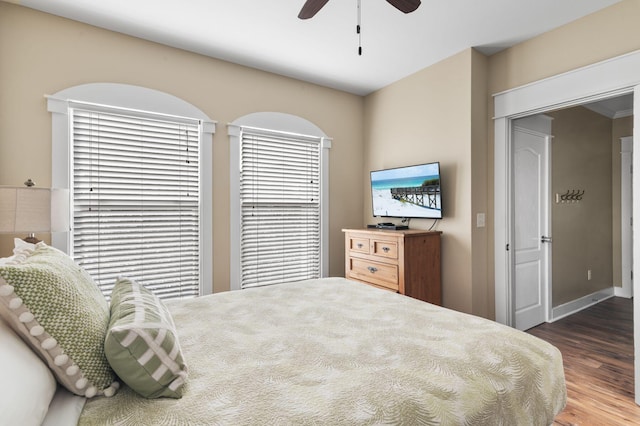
{"x": 404, "y": 261}
{"x": 386, "y": 249}
{"x": 359, "y": 245}
{"x": 381, "y": 274}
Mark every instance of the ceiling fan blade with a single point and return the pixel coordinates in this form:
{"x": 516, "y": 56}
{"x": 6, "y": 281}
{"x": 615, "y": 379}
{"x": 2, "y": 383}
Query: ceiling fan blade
{"x": 406, "y": 6}
{"x": 310, "y": 8}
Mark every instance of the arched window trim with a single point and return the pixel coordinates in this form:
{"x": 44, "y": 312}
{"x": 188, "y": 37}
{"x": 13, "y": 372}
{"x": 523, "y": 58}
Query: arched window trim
{"x": 281, "y": 122}
{"x": 134, "y": 98}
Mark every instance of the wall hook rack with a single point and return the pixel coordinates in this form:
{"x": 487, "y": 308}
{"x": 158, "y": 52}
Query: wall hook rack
{"x": 571, "y": 196}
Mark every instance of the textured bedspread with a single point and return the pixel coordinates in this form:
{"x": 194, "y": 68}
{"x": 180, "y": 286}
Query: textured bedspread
{"x": 336, "y": 352}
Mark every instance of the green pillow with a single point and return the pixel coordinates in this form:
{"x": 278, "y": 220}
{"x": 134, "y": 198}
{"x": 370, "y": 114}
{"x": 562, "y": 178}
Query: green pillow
{"x": 55, "y": 306}
{"x": 142, "y": 344}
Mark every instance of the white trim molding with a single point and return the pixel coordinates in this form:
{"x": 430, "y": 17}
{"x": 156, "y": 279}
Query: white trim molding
{"x": 626, "y": 217}
{"x": 593, "y": 82}
{"x": 622, "y": 292}
{"x": 636, "y": 240}
{"x": 581, "y": 303}
{"x": 140, "y": 99}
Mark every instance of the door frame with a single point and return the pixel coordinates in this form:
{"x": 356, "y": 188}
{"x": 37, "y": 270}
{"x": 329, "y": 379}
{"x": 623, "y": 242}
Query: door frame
{"x": 626, "y": 223}
{"x": 613, "y": 77}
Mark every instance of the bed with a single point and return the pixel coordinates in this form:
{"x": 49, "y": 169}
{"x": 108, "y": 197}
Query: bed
{"x": 334, "y": 351}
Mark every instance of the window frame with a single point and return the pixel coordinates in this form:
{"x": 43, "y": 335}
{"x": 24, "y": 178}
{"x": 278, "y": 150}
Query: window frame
{"x": 140, "y": 99}
{"x": 280, "y": 122}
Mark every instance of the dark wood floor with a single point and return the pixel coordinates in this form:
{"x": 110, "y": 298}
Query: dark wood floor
{"x": 597, "y": 350}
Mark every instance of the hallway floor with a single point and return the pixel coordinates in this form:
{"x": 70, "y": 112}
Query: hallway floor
{"x": 597, "y": 350}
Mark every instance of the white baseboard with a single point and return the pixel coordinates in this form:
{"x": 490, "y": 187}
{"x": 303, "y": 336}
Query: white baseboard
{"x": 584, "y": 302}
{"x": 622, "y": 292}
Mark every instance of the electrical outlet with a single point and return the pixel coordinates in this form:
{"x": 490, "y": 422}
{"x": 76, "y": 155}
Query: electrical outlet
{"x": 480, "y": 220}
{"x": 589, "y": 274}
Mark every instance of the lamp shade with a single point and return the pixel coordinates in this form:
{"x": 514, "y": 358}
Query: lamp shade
{"x": 31, "y": 210}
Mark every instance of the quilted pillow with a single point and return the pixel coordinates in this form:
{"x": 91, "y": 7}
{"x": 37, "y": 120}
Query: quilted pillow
{"x": 55, "y": 306}
{"x": 142, "y": 344}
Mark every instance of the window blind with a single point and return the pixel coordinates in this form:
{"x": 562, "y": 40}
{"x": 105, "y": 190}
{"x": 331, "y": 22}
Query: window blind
{"x": 280, "y": 207}
{"x": 136, "y": 200}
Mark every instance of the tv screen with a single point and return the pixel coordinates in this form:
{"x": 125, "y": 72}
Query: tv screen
{"x": 407, "y": 192}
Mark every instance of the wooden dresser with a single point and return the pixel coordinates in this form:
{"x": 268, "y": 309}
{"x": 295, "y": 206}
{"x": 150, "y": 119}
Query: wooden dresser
{"x": 407, "y": 261}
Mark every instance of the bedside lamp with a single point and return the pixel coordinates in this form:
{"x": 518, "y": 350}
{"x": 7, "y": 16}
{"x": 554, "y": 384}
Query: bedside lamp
{"x": 26, "y": 209}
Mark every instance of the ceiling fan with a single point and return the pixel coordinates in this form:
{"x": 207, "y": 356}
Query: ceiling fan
{"x": 311, "y": 7}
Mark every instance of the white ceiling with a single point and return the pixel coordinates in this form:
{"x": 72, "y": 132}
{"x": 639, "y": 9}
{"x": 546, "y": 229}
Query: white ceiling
{"x": 618, "y": 107}
{"x": 266, "y": 34}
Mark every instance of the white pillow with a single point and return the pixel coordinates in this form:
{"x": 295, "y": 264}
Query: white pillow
{"x": 27, "y": 383}
{"x": 20, "y": 244}
{"x": 65, "y": 408}
{"x": 19, "y": 247}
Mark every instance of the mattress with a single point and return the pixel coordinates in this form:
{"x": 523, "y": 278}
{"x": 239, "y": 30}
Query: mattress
{"x": 334, "y": 351}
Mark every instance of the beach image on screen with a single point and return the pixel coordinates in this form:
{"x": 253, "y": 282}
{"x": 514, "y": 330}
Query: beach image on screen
{"x": 407, "y": 192}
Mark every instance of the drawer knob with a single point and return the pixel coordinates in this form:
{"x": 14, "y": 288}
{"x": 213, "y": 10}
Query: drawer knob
{"x": 359, "y": 245}
{"x": 386, "y": 249}
{"x": 372, "y": 269}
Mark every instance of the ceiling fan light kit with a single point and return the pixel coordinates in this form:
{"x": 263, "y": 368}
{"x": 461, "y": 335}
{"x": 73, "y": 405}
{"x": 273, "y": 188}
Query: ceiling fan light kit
{"x": 311, "y": 7}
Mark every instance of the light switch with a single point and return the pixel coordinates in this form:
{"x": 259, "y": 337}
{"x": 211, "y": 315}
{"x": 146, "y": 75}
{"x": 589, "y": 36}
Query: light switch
{"x": 480, "y": 220}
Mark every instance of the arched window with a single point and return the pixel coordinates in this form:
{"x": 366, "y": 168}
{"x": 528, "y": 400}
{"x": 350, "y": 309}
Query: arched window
{"x": 135, "y": 162}
{"x": 279, "y": 200}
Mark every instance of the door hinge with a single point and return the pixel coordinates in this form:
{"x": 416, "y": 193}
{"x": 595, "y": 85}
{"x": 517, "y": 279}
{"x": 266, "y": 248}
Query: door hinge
{"x": 507, "y": 247}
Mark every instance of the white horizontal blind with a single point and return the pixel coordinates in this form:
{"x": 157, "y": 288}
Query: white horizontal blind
{"x": 136, "y": 200}
{"x": 280, "y": 205}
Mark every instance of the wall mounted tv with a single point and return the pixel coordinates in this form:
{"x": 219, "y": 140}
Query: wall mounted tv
{"x": 407, "y": 192}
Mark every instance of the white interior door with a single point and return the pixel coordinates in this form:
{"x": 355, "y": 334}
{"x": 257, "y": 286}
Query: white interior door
{"x": 531, "y": 225}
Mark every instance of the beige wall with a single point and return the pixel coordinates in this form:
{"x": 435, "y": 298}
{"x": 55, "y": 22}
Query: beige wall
{"x": 603, "y": 35}
{"x": 428, "y": 117}
{"x": 482, "y": 299}
{"x": 425, "y": 117}
{"x": 582, "y": 232}
{"x": 581, "y": 238}
{"x": 42, "y": 54}
{"x": 435, "y": 114}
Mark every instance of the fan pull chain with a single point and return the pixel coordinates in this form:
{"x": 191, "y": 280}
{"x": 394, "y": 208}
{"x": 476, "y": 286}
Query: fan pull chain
{"x": 358, "y": 31}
